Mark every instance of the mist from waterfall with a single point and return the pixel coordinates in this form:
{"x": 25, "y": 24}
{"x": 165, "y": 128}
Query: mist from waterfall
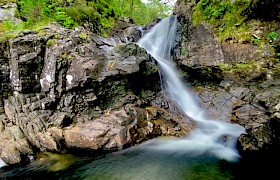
{"x": 211, "y": 136}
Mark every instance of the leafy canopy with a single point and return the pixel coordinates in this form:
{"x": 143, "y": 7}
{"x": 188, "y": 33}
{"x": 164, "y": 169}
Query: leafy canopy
{"x": 98, "y": 15}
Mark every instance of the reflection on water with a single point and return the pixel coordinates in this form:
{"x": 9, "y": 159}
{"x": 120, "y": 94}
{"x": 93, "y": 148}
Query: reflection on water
{"x": 150, "y": 165}
{"x": 145, "y": 163}
{"x": 134, "y": 163}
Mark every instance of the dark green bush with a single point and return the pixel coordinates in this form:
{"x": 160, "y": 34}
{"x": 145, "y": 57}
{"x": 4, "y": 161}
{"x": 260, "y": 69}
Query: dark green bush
{"x": 63, "y": 19}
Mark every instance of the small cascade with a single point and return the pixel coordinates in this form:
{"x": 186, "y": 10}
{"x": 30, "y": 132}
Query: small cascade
{"x": 211, "y": 136}
{"x": 2, "y": 163}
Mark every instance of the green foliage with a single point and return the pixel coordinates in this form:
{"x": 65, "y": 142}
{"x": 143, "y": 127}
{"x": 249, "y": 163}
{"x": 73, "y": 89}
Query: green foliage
{"x": 84, "y": 36}
{"x": 63, "y": 19}
{"x": 272, "y": 35}
{"x": 100, "y": 14}
{"x": 214, "y": 9}
{"x": 143, "y": 13}
{"x": 97, "y": 15}
{"x": 278, "y": 55}
{"x": 256, "y": 41}
{"x": 33, "y": 10}
{"x": 229, "y": 18}
{"x": 6, "y": 26}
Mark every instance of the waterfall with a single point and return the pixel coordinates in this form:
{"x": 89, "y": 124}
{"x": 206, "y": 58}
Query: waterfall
{"x": 2, "y": 163}
{"x": 211, "y": 136}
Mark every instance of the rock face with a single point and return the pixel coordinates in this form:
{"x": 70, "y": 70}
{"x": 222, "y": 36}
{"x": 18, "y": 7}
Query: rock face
{"x": 237, "y": 82}
{"x": 8, "y": 12}
{"x": 70, "y": 89}
{"x": 199, "y": 45}
{"x": 257, "y": 110}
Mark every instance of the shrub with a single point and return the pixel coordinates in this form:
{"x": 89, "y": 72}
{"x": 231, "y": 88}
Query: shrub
{"x": 64, "y": 20}
{"x": 98, "y": 15}
{"x": 33, "y": 10}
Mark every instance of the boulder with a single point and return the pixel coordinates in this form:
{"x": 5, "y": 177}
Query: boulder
{"x": 8, "y": 12}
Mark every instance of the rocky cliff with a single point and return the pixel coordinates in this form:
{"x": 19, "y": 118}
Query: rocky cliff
{"x": 73, "y": 90}
{"x": 237, "y": 80}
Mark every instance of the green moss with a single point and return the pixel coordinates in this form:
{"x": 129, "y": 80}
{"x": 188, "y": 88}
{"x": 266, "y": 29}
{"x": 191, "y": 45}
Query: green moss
{"x": 84, "y": 36}
{"x": 7, "y": 36}
{"x": 229, "y": 18}
{"x": 242, "y": 69}
{"x": 256, "y": 41}
{"x": 8, "y": 1}
{"x": 237, "y": 66}
{"x": 7, "y": 27}
{"x": 42, "y": 33}
{"x": 70, "y": 56}
{"x": 51, "y": 42}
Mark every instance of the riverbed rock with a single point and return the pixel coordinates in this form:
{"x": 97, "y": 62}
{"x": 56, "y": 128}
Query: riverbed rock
{"x": 113, "y": 130}
{"x": 14, "y": 145}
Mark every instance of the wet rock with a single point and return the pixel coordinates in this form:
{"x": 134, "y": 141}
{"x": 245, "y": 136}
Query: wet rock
{"x": 254, "y": 108}
{"x": 119, "y": 128}
{"x": 14, "y": 146}
{"x": 225, "y": 85}
{"x": 44, "y": 141}
{"x": 244, "y": 89}
{"x": 199, "y": 46}
{"x": 61, "y": 119}
{"x": 254, "y": 116}
{"x": 202, "y": 49}
{"x": 111, "y": 131}
{"x": 148, "y": 26}
{"x": 126, "y": 31}
{"x": 68, "y": 91}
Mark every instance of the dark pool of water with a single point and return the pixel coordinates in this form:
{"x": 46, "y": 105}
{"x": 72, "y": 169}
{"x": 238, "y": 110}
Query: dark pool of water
{"x": 142, "y": 164}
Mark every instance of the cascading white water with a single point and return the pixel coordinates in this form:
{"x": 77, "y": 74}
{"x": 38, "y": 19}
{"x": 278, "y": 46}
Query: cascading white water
{"x": 2, "y": 163}
{"x": 211, "y": 136}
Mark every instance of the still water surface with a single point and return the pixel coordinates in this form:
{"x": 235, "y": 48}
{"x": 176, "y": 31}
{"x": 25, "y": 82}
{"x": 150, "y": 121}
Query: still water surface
{"x": 141, "y": 163}
{"x": 134, "y": 163}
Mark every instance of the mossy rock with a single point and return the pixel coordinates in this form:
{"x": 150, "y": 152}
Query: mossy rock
{"x": 50, "y": 42}
{"x": 7, "y": 1}
{"x": 234, "y": 20}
